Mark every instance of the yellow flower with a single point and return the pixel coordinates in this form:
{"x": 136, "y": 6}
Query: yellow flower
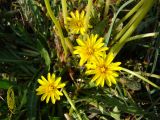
{"x": 49, "y": 88}
{"x": 76, "y": 23}
{"x": 89, "y": 48}
{"x": 104, "y": 70}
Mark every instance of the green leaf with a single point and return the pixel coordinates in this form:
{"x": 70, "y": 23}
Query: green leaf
{"x": 107, "y": 36}
{"x": 133, "y": 85}
{"x": 100, "y": 27}
{"x": 32, "y": 102}
{"x": 116, "y": 113}
{"x": 45, "y": 55}
{"x": 5, "y": 84}
{"x": 54, "y": 118}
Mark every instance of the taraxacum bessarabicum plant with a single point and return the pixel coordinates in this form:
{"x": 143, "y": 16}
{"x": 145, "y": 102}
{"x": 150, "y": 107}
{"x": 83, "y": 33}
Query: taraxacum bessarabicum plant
{"x": 89, "y": 57}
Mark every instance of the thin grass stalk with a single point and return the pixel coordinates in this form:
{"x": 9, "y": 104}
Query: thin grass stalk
{"x": 120, "y": 34}
{"x": 146, "y": 7}
{"x": 142, "y": 36}
{"x": 107, "y": 36}
{"x": 141, "y": 77}
{"x": 88, "y": 13}
{"x": 72, "y": 104}
{"x": 155, "y": 60}
{"x": 107, "y": 3}
{"x": 131, "y": 12}
{"x": 69, "y": 44}
{"x": 64, "y": 10}
{"x": 149, "y": 75}
{"x": 57, "y": 25}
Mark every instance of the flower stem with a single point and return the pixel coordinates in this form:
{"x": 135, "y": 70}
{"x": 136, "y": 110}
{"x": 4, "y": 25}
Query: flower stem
{"x": 87, "y": 17}
{"x": 65, "y": 15}
{"x": 106, "y": 8}
{"x": 72, "y": 104}
{"x": 69, "y": 44}
{"x": 58, "y": 27}
{"x": 141, "y": 77}
{"x": 64, "y": 9}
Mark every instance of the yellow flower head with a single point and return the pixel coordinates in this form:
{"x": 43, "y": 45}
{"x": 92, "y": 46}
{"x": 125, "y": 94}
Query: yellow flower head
{"x": 104, "y": 70}
{"x": 76, "y": 23}
{"x": 49, "y": 88}
{"x": 89, "y": 48}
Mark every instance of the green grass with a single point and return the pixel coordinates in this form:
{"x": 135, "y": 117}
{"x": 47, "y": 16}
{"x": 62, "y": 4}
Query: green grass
{"x": 30, "y": 47}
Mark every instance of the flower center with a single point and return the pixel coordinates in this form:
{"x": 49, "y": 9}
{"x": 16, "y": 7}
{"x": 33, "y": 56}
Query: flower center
{"x": 90, "y": 51}
{"x": 103, "y": 69}
{"x": 79, "y": 23}
{"x": 50, "y": 88}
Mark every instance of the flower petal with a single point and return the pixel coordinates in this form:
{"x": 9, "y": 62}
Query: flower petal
{"x": 47, "y": 99}
{"x": 49, "y": 77}
{"x": 82, "y": 14}
{"x": 82, "y": 61}
{"x": 77, "y": 14}
{"x": 108, "y": 81}
{"x": 41, "y": 82}
{"x": 90, "y": 72}
{"x": 80, "y": 42}
{"x": 109, "y": 58}
{"x": 95, "y": 77}
{"x": 53, "y": 77}
{"x": 53, "y": 99}
{"x": 57, "y": 95}
{"x": 43, "y": 97}
{"x": 57, "y": 81}
{"x": 44, "y": 79}
{"x": 72, "y": 14}
{"x": 61, "y": 85}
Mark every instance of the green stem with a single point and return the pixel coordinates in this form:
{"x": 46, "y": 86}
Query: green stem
{"x": 141, "y": 77}
{"x": 64, "y": 10}
{"x": 106, "y": 8}
{"x": 155, "y": 59}
{"x": 65, "y": 15}
{"x": 142, "y": 36}
{"x": 72, "y": 104}
{"x": 87, "y": 17}
{"x": 149, "y": 75}
{"x": 69, "y": 44}
{"x": 58, "y": 27}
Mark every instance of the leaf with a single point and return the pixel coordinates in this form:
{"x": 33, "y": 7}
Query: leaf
{"x": 133, "y": 85}
{"x": 5, "y": 84}
{"x": 100, "y": 27}
{"x": 107, "y": 36}
{"x": 45, "y": 55}
{"x": 32, "y": 98}
{"x": 24, "y": 99}
{"x": 54, "y": 118}
{"x": 32, "y": 102}
{"x": 116, "y": 113}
